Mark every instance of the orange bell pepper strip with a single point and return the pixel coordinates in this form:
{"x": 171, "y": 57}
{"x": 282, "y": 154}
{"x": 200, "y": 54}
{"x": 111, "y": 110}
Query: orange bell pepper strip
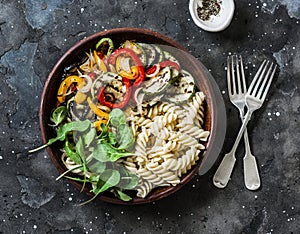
{"x": 97, "y": 124}
{"x": 134, "y": 73}
{"x": 100, "y": 62}
{"x": 96, "y": 110}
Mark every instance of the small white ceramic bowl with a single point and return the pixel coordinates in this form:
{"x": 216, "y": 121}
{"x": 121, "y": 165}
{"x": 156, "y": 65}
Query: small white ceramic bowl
{"x": 215, "y": 23}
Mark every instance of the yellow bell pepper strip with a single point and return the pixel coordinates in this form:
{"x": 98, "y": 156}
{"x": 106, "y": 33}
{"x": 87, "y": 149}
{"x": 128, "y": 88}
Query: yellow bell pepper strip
{"x": 96, "y": 110}
{"x": 97, "y": 124}
{"x": 137, "y": 62}
{"x": 134, "y": 73}
{"x": 124, "y": 69}
{"x": 100, "y": 62}
{"x": 80, "y": 97}
{"x": 103, "y": 42}
{"x": 66, "y": 84}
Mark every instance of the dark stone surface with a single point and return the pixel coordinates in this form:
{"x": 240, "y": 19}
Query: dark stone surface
{"x": 33, "y": 36}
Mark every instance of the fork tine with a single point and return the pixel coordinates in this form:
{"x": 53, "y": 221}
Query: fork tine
{"x": 239, "y": 88}
{"x": 262, "y": 85}
{"x": 228, "y": 76}
{"x": 269, "y": 83}
{"x": 243, "y": 76}
{"x": 258, "y": 84}
{"x": 252, "y": 89}
{"x": 233, "y": 75}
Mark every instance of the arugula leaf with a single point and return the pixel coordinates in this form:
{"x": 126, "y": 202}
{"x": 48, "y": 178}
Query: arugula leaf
{"x": 124, "y": 137}
{"x": 117, "y": 117}
{"x": 73, "y": 155}
{"x": 78, "y": 126}
{"x": 112, "y": 138}
{"x": 104, "y": 152}
{"x": 80, "y": 148}
{"x": 128, "y": 180}
{"x": 97, "y": 167}
{"x": 108, "y": 179}
{"x": 122, "y": 196}
{"x": 59, "y": 115}
{"x": 63, "y": 130}
{"x": 81, "y": 152}
{"x": 90, "y": 136}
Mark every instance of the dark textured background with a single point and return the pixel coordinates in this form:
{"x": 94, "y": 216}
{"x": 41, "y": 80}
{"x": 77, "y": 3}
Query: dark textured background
{"x": 34, "y": 34}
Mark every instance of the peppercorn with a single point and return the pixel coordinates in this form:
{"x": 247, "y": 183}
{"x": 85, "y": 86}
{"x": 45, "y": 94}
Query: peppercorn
{"x": 209, "y": 8}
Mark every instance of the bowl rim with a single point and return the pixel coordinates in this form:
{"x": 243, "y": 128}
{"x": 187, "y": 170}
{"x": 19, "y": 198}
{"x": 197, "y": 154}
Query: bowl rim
{"x": 218, "y": 122}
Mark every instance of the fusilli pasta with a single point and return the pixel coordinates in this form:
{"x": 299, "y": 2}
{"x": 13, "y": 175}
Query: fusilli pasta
{"x": 168, "y": 142}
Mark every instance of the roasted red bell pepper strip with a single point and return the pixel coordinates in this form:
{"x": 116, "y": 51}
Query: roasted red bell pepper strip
{"x": 166, "y": 63}
{"x": 126, "y": 97}
{"x": 151, "y": 70}
{"x": 169, "y": 63}
{"x": 125, "y": 51}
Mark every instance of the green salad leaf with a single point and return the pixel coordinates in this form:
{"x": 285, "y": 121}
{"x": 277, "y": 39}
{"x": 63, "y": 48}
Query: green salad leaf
{"x": 59, "y": 115}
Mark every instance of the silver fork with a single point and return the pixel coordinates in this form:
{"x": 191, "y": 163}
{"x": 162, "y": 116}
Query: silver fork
{"x": 237, "y": 92}
{"x": 254, "y": 99}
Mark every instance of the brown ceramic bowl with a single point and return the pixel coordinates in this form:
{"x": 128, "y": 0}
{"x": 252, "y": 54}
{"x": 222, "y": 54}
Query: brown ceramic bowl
{"x": 215, "y": 116}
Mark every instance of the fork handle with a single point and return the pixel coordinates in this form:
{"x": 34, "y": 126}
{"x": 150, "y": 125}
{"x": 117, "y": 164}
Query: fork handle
{"x": 224, "y": 170}
{"x": 251, "y": 174}
{"x": 222, "y": 175}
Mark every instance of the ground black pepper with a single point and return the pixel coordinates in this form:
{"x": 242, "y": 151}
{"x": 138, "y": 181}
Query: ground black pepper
{"x": 209, "y": 8}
